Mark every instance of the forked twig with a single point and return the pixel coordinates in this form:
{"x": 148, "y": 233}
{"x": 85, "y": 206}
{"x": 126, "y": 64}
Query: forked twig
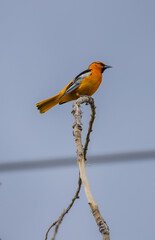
{"x": 76, "y": 196}
{"x": 103, "y": 227}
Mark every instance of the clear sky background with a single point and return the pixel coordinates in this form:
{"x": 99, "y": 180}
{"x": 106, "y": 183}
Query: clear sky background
{"x": 43, "y": 45}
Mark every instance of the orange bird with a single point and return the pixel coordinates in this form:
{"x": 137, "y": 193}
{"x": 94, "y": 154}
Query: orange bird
{"x": 86, "y": 83}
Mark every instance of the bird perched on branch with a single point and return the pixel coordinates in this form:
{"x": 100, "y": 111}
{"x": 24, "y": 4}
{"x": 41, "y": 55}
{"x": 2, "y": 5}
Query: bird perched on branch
{"x": 84, "y": 84}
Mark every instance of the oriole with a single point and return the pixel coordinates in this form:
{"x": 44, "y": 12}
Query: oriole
{"x": 86, "y": 83}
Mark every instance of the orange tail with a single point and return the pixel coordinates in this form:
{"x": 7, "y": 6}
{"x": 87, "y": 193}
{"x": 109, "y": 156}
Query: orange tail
{"x": 48, "y": 103}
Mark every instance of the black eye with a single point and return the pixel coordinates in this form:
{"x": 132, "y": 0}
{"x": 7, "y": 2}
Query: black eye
{"x": 102, "y": 64}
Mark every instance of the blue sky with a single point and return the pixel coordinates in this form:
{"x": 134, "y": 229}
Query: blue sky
{"x": 43, "y": 45}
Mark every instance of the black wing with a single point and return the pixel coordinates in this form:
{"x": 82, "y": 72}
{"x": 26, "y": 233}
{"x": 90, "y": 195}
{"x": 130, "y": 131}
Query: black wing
{"x": 76, "y": 81}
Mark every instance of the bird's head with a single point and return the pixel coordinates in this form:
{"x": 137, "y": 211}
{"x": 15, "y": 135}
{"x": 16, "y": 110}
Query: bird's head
{"x": 99, "y": 66}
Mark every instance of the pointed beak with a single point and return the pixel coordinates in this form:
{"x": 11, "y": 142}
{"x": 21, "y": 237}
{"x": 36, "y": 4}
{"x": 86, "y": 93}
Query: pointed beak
{"x": 107, "y": 66}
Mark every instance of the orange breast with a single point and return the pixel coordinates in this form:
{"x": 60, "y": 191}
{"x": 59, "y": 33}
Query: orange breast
{"x": 90, "y": 84}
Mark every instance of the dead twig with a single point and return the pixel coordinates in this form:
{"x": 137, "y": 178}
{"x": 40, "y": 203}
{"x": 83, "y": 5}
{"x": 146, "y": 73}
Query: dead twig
{"x": 103, "y": 227}
{"x": 76, "y": 196}
{"x": 57, "y": 223}
{"x": 92, "y": 118}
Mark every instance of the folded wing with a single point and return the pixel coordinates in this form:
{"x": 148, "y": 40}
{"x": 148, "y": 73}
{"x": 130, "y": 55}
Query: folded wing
{"x": 76, "y": 82}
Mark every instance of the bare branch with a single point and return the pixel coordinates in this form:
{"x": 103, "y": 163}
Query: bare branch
{"x": 103, "y": 227}
{"x": 57, "y": 223}
{"x": 92, "y": 118}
